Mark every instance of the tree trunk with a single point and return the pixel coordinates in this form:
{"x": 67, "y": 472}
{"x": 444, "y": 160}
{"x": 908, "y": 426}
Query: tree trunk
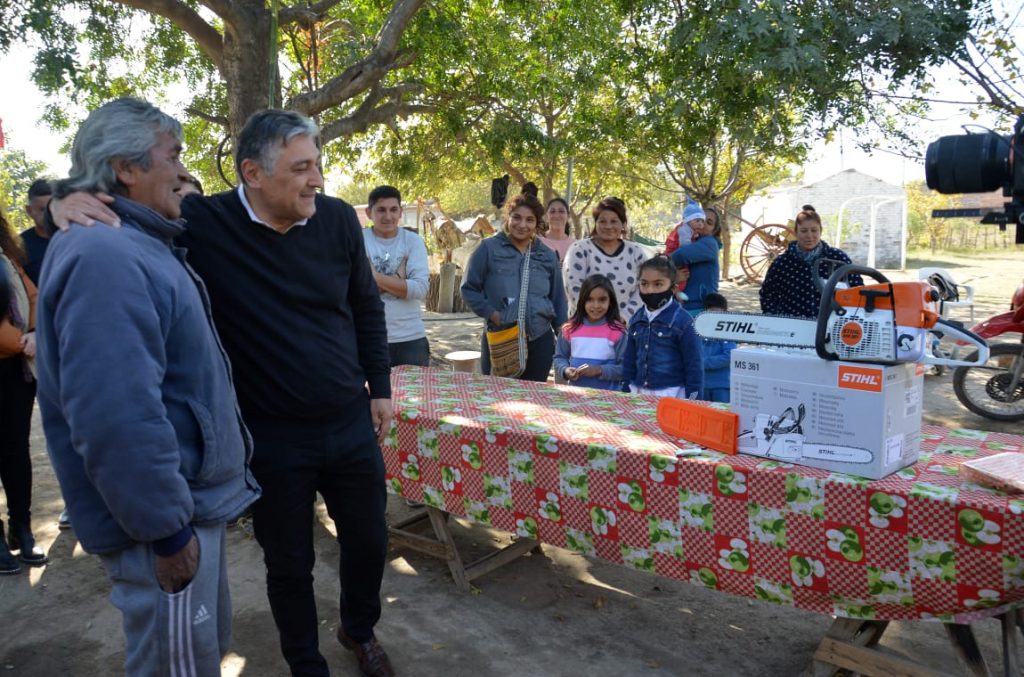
{"x": 726, "y": 240}
{"x": 246, "y": 66}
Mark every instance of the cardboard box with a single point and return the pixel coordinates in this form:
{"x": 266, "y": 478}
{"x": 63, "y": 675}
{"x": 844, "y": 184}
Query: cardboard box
{"x": 852, "y": 417}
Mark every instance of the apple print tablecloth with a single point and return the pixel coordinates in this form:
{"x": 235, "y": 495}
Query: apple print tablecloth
{"x": 591, "y": 471}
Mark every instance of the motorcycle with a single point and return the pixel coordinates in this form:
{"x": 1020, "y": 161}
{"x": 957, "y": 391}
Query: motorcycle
{"x": 996, "y": 389}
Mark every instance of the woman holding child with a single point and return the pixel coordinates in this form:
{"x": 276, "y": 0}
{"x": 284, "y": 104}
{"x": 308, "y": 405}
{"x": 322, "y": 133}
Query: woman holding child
{"x": 698, "y": 258}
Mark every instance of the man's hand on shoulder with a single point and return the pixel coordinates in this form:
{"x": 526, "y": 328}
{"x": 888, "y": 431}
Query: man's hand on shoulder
{"x": 84, "y": 208}
{"x": 177, "y": 571}
{"x": 382, "y": 413}
{"x": 28, "y": 344}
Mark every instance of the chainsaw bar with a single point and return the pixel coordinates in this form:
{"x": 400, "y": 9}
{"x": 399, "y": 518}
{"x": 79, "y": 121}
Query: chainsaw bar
{"x": 771, "y": 330}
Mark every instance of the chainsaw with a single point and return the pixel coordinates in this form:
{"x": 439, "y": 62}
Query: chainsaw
{"x": 884, "y": 323}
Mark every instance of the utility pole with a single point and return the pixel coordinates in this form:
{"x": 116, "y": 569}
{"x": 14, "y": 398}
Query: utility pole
{"x": 568, "y": 181}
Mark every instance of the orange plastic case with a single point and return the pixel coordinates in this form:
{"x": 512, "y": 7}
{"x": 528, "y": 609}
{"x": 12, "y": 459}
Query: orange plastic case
{"x": 698, "y": 423}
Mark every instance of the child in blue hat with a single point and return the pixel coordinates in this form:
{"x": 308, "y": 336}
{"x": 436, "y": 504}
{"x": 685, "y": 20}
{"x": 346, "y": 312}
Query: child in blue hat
{"x": 683, "y": 233}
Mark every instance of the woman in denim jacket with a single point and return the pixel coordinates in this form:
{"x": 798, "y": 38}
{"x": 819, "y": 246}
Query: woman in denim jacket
{"x": 493, "y": 281}
{"x": 664, "y": 356}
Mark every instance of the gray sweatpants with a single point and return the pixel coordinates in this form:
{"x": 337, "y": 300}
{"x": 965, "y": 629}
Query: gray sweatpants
{"x": 181, "y": 635}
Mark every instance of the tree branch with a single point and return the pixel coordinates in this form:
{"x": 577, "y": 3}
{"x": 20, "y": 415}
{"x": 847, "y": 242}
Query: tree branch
{"x": 227, "y": 10}
{"x": 188, "y": 20}
{"x": 366, "y": 73}
{"x": 299, "y": 58}
{"x": 996, "y": 98}
{"x": 652, "y": 184}
{"x": 370, "y": 113}
{"x": 514, "y": 172}
{"x": 203, "y": 115}
{"x": 305, "y": 15}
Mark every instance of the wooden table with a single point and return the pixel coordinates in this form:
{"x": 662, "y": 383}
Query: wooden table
{"x": 591, "y": 472}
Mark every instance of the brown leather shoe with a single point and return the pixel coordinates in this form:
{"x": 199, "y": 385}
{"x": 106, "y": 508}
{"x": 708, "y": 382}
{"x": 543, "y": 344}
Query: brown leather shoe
{"x": 373, "y": 660}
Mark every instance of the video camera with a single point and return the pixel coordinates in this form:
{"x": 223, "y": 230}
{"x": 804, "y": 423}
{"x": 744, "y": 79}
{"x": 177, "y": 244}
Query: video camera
{"x": 980, "y": 163}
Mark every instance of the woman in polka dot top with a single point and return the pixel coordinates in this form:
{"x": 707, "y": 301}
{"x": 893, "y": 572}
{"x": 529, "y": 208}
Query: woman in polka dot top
{"x": 606, "y": 253}
{"x": 789, "y": 287}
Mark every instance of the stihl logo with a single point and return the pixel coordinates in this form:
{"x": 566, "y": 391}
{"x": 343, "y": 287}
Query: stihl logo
{"x": 851, "y": 334}
{"x": 859, "y": 378}
{"x": 738, "y": 327}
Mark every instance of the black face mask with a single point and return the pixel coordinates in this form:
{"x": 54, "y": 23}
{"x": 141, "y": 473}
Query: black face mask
{"x": 657, "y": 299}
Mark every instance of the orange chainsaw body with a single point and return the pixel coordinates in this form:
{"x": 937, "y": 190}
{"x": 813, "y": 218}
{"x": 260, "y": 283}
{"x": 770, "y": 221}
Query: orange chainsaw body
{"x": 916, "y": 305}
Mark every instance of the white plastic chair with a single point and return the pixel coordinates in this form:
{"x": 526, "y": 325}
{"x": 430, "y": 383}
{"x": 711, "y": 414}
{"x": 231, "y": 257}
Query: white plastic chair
{"x": 964, "y": 293}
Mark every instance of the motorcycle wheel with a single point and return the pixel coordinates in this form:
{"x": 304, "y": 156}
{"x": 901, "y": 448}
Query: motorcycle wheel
{"x": 983, "y": 390}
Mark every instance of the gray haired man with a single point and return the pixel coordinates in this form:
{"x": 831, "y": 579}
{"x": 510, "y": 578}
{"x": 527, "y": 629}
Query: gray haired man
{"x": 137, "y": 400}
{"x": 295, "y": 303}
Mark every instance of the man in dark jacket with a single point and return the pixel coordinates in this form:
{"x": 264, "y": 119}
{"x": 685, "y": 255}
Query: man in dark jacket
{"x": 137, "y": 399}
{"x": 303, "y": 322}
{"x": 37, "y": 237}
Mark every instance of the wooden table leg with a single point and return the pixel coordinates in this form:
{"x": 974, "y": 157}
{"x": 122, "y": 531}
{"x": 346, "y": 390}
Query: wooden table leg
{"x": 492, "y": 561}
{"x": 844, "y": 631}
{"x": 439, "y": 520}
{"x": 966, "y": 648}
{"x": 851, "y": 644}
{"x": 442, "y": 546}
{"x": 1009, "y": 623}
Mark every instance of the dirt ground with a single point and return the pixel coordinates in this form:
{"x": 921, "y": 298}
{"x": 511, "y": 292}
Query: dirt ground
{"x": 555, "y": 614}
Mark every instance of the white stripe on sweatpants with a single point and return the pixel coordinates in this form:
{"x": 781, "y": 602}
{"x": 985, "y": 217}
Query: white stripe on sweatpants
{"x": 187, "y": 628}
{"x": 183, "y": 662}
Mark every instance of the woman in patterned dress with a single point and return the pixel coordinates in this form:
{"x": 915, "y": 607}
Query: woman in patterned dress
{"x": 606, "y": 253}
{"x": 789, "y": 287}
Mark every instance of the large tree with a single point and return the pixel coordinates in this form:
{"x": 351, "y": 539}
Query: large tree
{"x": 735, "y": 89}
{"x": 527, "y": 90}
{"x": 340, "y": 62}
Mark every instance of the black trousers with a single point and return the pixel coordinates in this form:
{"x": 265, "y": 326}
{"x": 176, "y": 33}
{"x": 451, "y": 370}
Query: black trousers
{"x": 292, "y": 462}
{"x": 16, "y": 398}
{"x": 540, "y": 354}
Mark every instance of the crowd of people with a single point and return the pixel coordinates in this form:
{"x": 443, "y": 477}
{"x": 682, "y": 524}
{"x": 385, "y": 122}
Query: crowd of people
{"x": 231, "y": 354}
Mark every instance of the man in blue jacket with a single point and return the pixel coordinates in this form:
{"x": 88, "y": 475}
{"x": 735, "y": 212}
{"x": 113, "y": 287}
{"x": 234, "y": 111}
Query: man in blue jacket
{"x": 299, "y": 315}
{"x": 137, "y": 399}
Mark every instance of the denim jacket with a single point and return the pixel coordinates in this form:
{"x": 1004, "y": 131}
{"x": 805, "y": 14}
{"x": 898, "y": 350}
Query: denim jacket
{"x": 492, "y": 282}
{"x": 664, "y": 352}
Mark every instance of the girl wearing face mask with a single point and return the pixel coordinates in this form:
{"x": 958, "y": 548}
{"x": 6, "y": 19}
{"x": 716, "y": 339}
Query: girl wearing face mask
{"x": 663, "y": 351}
{"x": 789, "y": 287}
{"x": 606, "y": 253}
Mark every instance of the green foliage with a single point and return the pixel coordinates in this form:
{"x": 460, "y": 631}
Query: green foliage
{"x": 925, "y": 232}
{"x": 741, "y": 81}
{"x": 527, "y": 87}
{"x": 649, "y": 99}
{"x": 17, "y": 172}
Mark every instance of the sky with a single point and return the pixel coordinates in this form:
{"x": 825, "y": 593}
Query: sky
{"x": 22, "y": 107}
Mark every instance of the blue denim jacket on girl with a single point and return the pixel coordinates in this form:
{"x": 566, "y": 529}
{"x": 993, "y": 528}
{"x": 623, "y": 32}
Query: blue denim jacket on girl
{"x": 664, "y": 352}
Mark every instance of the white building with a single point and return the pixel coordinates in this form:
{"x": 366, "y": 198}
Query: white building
{"x": 848, "y": 203}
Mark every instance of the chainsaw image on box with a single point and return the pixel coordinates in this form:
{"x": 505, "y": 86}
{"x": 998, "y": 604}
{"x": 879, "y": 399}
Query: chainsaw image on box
{"x": 782, "y": 438}
{"x": 884, "y": 323}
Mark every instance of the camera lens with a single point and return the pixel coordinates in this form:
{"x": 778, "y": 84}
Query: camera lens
{"x": 968, "y": 163}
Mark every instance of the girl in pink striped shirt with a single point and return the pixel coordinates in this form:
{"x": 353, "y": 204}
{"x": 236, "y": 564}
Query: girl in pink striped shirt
{"x": 590, "y": 346}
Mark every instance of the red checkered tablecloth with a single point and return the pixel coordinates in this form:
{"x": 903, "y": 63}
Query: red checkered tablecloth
{"x": 591, "y": 471}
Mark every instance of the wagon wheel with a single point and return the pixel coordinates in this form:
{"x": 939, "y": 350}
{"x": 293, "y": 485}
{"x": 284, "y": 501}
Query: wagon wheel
{"x": 761, "y": 246}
